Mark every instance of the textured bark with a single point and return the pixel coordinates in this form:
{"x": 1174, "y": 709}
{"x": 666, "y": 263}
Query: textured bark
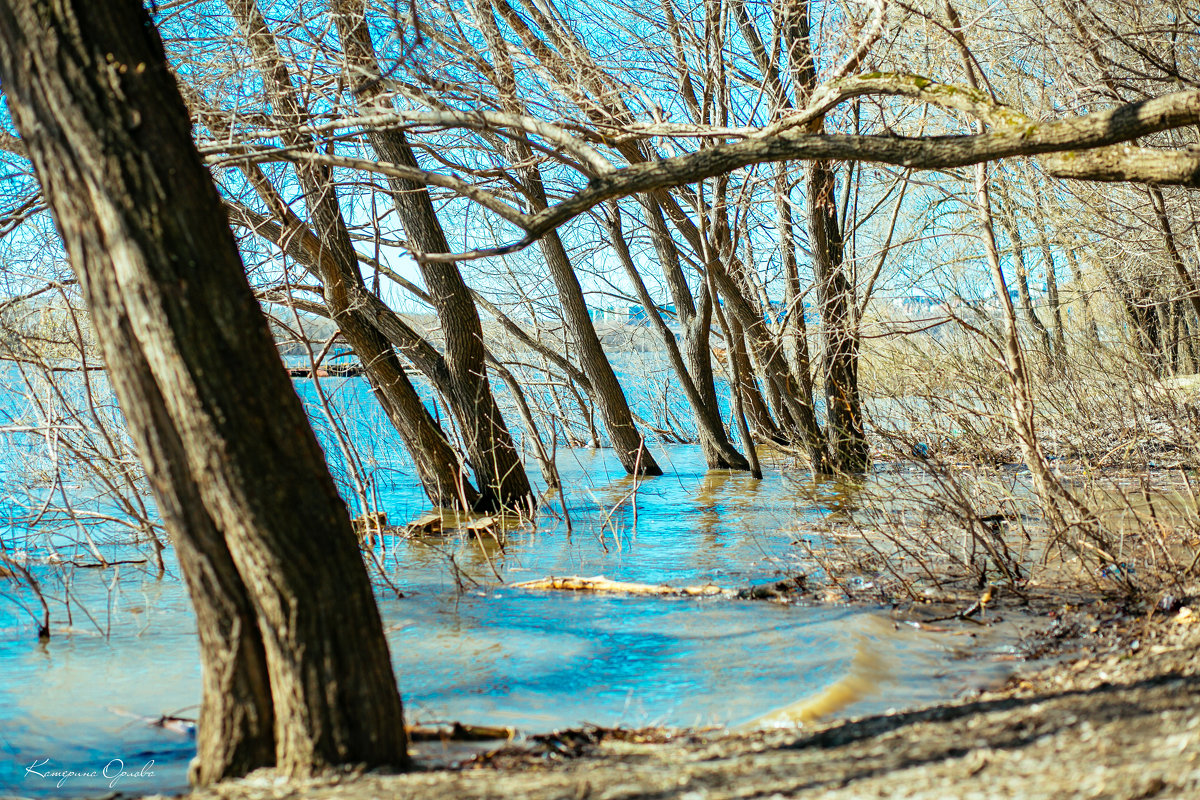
{"x": 493, "y": 456}
{"x": 835, "y": 297}
{"x": 236, "y": 468}
{"x": 844, "y": 428}
{"x": 1126, "y": 164}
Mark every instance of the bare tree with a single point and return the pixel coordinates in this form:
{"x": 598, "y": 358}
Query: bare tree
{"x": 297, "y": 670}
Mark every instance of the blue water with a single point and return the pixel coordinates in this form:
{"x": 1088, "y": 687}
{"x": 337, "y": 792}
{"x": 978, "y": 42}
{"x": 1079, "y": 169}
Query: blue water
{"x": 467, "y": 646}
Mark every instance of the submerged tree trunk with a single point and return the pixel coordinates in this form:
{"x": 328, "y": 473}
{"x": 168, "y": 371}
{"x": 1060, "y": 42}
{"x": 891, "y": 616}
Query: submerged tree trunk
{"x": 234, "y": 464}
{"x": 718, "y": 452}
{"x": 606, "y": 393}
{"x": 844, "y": 427}
{"x": 498, "y": 470}
{"x": 329, "y": 256}
{"x": 845, "y": 430}
{"x": 331, "y": 260}
{"x": 695, "y": 317}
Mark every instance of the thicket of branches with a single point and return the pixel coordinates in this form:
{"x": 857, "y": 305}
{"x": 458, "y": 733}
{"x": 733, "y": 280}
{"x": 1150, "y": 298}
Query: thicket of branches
{"x": 934, "y": 230}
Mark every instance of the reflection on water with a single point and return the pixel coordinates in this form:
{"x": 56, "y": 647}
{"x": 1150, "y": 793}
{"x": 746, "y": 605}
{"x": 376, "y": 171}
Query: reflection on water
{"x": 467, "y": 648}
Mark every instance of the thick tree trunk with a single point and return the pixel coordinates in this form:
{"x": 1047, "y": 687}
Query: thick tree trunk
{"x": 232, "y": 458}
{"x": 845, "y": 431}
{"x": 835, "y": 297}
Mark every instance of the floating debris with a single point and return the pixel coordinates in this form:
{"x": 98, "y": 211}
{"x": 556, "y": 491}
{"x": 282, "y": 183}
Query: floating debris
{"x": 601, "y": 584}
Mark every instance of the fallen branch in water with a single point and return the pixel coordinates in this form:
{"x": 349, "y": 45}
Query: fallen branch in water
{"x": 602, "y": 585}
{"x": 458, "y": 732}
{"x": 185, "y": 726}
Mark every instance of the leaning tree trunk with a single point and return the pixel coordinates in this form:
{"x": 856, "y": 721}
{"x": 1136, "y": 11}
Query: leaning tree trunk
{"x": 332, "y": 261}
{"x": 606, "y": 393}
{"x": 695, "y": 317}
{"x": 331, "y": 256}
{"x": 234, "y": 464}
{"x": 1021, "y": 274}
{"x": 709, "y": 430}
{"x": 498, "y": 470}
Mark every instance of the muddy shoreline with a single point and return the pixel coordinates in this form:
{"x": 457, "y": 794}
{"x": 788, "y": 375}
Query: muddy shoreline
{"x": 1117, "y": 716}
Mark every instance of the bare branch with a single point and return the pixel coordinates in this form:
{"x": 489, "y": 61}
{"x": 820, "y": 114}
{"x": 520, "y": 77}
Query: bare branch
{"x": 1129, "y": 163}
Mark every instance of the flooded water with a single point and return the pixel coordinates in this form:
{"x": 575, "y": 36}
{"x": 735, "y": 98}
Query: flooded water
{"x": 469, "y": 647}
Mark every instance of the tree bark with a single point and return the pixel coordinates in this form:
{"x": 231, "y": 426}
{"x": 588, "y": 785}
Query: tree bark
{"x": 498, "y": 470}
{"x": 606, "y": 392}
{"x": 236, "y": 468}
{"x": 844, "y": 428}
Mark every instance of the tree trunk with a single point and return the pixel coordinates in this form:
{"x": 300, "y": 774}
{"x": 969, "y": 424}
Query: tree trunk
{"x": 1089, "y": 318}
{"x": 1021, "y": 276}
{"x": 835, "y": 298}
{"x": 219, "y": 427}
{"x": 364, "y": 322}
{"x": 606, "y": 393}
{"x": 718, "y": 452}
{"x": 696, "y": 321}
{"x": 847, "y": 443}
{"x": 753, "y": 405}
{"x": 498, "y": 470}
{"x": 329, "y": 255}
{"x": 1058, "y": 336}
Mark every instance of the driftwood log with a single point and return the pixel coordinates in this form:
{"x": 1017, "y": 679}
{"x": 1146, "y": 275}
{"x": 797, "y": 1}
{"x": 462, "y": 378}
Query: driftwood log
{"x": 602, "y": 585}
{"x": 458, "y": 732}
{"x": 776, "y": 590}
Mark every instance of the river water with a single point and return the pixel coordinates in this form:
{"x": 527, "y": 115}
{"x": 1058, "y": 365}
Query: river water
{"x": 467, "y": 646}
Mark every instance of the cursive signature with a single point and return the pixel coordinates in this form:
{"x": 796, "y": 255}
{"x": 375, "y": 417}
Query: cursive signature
{"x": 113, "y": 772}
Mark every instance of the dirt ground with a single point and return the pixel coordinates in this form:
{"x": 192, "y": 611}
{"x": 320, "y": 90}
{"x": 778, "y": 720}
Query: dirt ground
{"x": 1117, "y": 718}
